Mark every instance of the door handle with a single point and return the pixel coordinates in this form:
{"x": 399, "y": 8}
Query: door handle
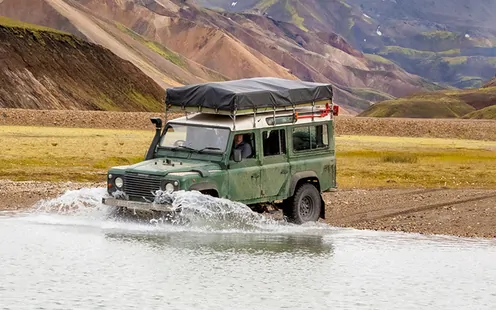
{"x": 284, "y": 171}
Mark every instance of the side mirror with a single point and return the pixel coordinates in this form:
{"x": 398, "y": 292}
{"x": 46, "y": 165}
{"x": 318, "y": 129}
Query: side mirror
{"x": 237, "y": 156}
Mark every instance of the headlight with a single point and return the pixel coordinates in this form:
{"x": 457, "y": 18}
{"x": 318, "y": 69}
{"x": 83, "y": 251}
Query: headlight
{"x": 119, "y": 182}
{"x": 169, "y": 187}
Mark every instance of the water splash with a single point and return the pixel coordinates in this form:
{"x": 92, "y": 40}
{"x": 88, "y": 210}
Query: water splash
{"x": 83, "y": 201}
{"x": 198, "y": 210}
{"x": 198, "y": 213}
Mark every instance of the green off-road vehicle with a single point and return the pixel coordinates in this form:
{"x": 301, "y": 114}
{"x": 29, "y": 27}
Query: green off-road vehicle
{"x": 260, "y": 141}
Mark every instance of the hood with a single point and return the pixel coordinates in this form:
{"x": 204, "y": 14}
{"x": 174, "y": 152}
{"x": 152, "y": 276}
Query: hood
{"x": 165, "y": 166}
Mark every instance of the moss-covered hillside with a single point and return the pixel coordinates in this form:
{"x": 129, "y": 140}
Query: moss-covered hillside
{"x": 470, "y": 103}
{"x": 48, "y": 69}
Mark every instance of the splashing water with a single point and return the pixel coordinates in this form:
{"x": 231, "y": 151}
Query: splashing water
{"x": 198, "y": 212}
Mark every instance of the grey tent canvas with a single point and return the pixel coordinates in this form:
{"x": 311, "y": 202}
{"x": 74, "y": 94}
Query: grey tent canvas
{"x": 247, "y": 94}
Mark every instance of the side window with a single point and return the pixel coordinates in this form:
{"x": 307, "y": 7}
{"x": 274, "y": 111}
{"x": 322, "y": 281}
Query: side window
{"x": 274, "y": 142}
{"x": 245, "y": 142}
{"x": 310, "y": 137}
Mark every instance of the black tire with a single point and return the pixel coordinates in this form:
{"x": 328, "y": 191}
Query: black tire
{"x": 304, "y": 206}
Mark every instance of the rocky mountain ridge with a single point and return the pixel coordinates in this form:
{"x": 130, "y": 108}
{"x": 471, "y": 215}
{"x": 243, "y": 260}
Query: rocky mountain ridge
{"x": 449, "y": 42}
{"x": 175, "y": 43}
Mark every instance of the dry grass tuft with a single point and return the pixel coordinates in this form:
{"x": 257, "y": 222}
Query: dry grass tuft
{"x": 400, "y": 158}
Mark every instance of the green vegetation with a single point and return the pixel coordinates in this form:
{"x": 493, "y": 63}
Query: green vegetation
{"x": 11, "y": 23}
{"x": 36, "y": 32}
{"x": 491, "y": 60}
{"x": 371, "y": 94}
{"x": 295, "y": 18}
{"x": 468, "y": 82}
{"x": 345, "y": 4}
{"x": 104, "y": 103}
{"x": 437, "y": 104}
{"x": 265, "y": 4}
{"x": 447, "y": 67}
{"x": 167, "y": 54}
{"x": 75, "y": 154}
{"x": 441, "y": 35}
{"x": 486, "y": 113}
{"x": 452, "y": 52}
{"x": 421, "y": 106}
{"x": 148, "y": 101}
{"x": 156, "y": 47}
{"x": 387, "y": 50}
{"x": 456, "y": 60}
{"x": 351, "y": 23}
{"x": 377, "y": 58}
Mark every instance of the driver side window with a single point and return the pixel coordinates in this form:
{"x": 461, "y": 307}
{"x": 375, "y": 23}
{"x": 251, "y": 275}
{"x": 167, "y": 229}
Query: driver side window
{"x": 244, "y": 142}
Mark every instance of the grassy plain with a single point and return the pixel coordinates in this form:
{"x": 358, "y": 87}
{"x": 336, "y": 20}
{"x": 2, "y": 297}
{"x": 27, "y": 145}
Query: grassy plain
{"x": 73, "y": 154}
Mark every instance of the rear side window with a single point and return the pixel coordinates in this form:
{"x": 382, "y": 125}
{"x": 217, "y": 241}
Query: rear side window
{"x": 274, "y": 142}
{"x": 310, "y": 138}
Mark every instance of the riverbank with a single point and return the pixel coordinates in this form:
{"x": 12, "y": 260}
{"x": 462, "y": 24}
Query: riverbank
{"x": 458, "y": 212}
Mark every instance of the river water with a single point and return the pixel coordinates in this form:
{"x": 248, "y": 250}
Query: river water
{"x": 66, "y": 253}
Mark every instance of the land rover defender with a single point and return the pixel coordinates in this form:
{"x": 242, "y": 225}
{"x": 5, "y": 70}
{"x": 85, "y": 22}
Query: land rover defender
{"x": 258, "y": 141}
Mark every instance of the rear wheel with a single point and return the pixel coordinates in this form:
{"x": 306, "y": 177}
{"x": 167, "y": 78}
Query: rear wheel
{"x": 304, "y": 206}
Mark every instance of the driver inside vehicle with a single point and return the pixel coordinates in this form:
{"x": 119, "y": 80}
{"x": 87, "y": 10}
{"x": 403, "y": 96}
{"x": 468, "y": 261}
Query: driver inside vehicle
{"x": 240, "y": 144}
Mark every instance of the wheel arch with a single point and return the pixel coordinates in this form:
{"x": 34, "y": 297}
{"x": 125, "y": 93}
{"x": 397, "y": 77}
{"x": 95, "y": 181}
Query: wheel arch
{"x": 205, "y": 188}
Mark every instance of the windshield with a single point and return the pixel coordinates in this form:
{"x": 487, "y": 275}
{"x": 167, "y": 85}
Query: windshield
{"x": 195, "y": 138}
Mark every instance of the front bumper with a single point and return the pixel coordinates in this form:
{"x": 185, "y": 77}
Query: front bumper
{"x": 139, "y": 206}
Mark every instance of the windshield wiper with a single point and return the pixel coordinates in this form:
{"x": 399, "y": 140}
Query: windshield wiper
{"x": 184, "y": 147}
{"x": 209, "y": 148}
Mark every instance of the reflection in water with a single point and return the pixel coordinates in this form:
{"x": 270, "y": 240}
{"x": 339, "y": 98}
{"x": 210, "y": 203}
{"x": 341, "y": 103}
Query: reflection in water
{"x": 262, "y": 244}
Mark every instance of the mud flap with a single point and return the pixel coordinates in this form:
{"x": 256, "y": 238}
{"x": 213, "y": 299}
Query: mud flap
{"x": 322, "y": 210}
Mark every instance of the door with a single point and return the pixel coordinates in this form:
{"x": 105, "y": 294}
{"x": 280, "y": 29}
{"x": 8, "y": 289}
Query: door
{"x": 275, "y": 172}
{"x": 244, "y": 176}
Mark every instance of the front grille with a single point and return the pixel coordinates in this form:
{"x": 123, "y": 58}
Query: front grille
{"x": 139, "y": 186}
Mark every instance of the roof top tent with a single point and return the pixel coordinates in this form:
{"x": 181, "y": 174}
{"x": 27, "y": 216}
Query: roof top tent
{"x": 252, "y": 96}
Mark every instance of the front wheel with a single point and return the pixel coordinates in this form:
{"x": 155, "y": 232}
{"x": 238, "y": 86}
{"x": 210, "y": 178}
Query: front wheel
{"x": 304, "y": 206}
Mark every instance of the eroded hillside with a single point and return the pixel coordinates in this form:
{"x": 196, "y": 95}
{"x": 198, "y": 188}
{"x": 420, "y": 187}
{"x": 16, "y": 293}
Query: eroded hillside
{"x": 175, "y": 42}
{"x": 451, "y": 42}
{"x": 46, "y": 69}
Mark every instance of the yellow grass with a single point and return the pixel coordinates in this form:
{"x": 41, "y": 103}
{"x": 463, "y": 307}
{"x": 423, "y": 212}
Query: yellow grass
{"x": 372, "y": 162}
{"x": 71, "y": 154}
{"x": 61, "y": 154}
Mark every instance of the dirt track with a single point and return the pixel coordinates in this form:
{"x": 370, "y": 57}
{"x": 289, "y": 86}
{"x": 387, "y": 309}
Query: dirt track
{"x": 467, "y": 213}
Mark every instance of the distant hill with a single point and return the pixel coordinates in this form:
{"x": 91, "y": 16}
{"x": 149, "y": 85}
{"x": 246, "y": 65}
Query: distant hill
{"x": 446, "y": 41}
{"x": 486, "y": 113}
{"x": 176, "y": 42}
{"x": 491, "y": 83}
{"x": 468, "y": 103}
{"x": 43, "y": 68}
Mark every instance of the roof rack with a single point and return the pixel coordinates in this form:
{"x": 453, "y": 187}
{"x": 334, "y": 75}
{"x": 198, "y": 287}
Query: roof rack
{"x": 251, "y": 97}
